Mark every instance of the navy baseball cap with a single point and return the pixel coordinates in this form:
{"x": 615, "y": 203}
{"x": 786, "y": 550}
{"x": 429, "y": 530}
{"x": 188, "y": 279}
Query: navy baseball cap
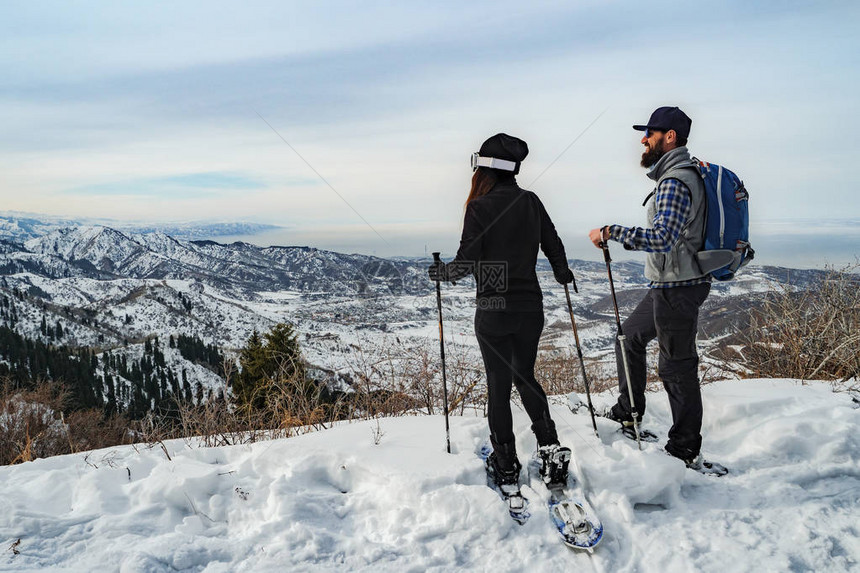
{"x": 666, "y": 118}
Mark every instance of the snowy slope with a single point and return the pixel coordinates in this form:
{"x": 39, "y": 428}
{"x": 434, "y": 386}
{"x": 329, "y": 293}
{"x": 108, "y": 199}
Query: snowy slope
{"x": 335, "y": 501}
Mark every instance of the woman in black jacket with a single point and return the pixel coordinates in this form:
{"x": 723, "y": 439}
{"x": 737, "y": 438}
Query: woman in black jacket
{"x": 503, "y": 228}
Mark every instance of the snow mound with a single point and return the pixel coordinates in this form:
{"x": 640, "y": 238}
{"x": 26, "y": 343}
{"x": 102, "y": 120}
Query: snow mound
{"x": 337, "y": 500}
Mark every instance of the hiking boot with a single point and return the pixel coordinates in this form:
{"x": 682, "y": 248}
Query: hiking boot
{"x": 691, "y": 460}
{"x": 627, "y": 429}
{"x": 554, "y": 462}
{"x": 545, "y": 432}
{"x": 701, "y": 465}
{"x": 694, "y": 463}
{"x": 616, "y": 414}
{"x": 504, "y": 477}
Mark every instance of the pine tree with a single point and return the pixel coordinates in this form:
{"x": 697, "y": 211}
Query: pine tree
{"x": 252, "y": 362}
{"x": 263, "y": 364}
{"x": 110, "y": 407}
{"x": 186, "y": 389}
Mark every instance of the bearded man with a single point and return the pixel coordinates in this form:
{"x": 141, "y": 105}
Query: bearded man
{"x": 678, "y": 287}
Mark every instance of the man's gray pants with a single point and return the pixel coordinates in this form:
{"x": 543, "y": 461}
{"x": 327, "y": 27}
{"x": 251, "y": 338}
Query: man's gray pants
{"x": 671, "y": 315}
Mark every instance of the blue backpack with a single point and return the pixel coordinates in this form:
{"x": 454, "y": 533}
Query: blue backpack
{"x": 726, "y": 247}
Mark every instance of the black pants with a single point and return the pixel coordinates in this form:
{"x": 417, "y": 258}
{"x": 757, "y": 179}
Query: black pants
{"x": 509, "y": 343}
{"x": 671, "y": 315}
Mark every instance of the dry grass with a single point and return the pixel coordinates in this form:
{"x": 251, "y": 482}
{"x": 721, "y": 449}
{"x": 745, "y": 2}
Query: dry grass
{"x": 293, "y": 405}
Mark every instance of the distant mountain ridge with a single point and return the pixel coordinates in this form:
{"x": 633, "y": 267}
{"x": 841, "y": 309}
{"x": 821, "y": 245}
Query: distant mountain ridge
{"x": 102, "y": 253}
{"x": 21, "y": 227}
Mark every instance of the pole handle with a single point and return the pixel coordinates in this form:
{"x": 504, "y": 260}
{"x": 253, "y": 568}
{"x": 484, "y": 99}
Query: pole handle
{"x": 438, "y": 261}
{"x": 605, "y": 247}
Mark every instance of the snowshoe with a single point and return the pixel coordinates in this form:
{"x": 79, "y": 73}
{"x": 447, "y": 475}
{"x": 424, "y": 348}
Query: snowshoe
{"x": 506, "y": 484}
{"x": 706, "y": 467}
{"x": 569, "y": 511}
{"x": 645, "y": 435}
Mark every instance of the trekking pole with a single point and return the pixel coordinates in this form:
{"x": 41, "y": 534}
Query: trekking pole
{"x": 579, "y": 353}
{"x": 623, "y": 342}
{"x": 437, "y": 260}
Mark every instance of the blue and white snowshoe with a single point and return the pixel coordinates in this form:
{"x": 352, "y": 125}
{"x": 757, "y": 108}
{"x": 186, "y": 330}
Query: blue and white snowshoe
{"x": 574, "y": 518}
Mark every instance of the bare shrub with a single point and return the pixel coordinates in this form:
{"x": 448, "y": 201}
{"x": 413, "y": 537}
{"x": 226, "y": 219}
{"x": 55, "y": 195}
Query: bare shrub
{"x": 397, "y": 379}
{"x": 29, "y": 423}
{"x": 292, "y": 404}
{"x": 807, "y": 334}
{"x": 32, "y": 424}
{"x": 91, "y": 430}
{"x": 467, "y": 386}
{"x": 389, "y": 382}
{"x": 376, "y": 433}
{"x": 561, "y": 373}
{"x": 300, "y": 405}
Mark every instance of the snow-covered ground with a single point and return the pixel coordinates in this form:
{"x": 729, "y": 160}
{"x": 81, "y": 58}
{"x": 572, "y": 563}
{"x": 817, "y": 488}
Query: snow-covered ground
{"x": 336, "y": 500}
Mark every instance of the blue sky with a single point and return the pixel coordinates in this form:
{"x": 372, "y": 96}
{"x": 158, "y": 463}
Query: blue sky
{"x": 149, "y": 112}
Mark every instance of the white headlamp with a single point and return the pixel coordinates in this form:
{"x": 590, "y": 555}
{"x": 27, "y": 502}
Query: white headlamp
{"x": 493, "y": 163}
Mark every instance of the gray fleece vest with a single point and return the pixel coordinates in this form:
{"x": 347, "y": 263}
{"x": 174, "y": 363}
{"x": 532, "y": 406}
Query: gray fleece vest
{"x": 680, "y": 263}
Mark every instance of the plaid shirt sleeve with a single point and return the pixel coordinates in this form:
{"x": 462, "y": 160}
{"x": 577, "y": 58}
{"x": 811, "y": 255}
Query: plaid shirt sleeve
{"x": 673, "y": 208}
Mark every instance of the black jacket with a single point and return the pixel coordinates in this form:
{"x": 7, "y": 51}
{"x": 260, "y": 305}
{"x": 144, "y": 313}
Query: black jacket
{"x": 501, "y": 235}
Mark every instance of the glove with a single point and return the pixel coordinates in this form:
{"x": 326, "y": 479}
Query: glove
{"x": 564, "y": 276}
{"x": 437, "y": 272}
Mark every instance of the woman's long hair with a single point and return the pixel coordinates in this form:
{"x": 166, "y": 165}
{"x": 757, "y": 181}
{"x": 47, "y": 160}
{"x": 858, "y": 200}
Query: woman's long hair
{"x": 482, "y": 183}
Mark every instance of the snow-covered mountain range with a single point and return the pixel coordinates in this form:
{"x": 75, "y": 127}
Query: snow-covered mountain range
{"x": 240, "y": 268}
{"x": 17, "y": 226}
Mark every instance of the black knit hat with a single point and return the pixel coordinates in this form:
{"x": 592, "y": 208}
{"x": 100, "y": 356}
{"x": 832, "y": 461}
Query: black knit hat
{"x": 507, "y": 147}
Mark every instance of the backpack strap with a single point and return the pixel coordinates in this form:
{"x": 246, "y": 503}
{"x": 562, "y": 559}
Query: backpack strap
{"x": 694, "y": 165}
{"x": 651, "y": 194}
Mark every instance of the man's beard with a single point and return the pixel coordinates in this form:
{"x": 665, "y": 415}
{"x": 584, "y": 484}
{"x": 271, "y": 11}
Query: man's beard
{"x": 653, "y": 154}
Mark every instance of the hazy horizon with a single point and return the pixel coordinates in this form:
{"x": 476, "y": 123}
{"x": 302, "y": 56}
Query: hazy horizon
{"x": 797, "y": 244}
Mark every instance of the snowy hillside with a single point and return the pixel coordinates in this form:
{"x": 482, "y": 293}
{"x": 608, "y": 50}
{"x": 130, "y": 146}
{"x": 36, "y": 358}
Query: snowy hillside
{"x": 111, "y": 290}
{"x": 336, "y": 501}
{"x": 168, "y": 286}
